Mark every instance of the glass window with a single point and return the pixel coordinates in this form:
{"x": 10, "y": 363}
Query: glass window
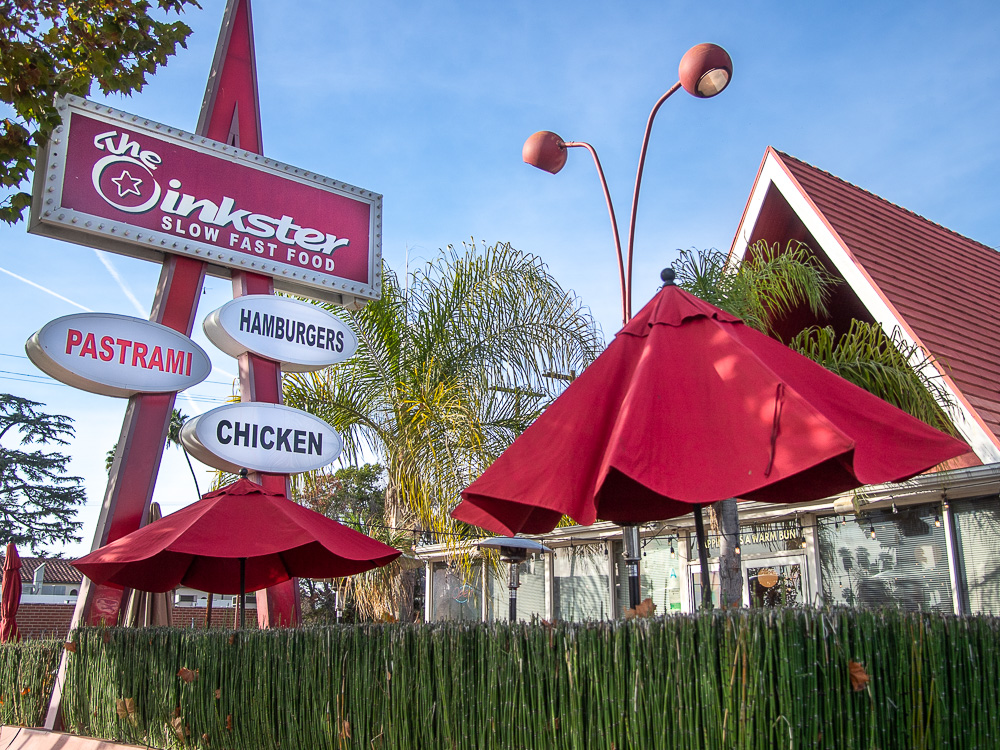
{"x": 659, "y": 575}
{"x": 977, "y": 539}
{"x": 530, "y": 594}
{"x": 713, "y": 581}
{"x": 582, "y": 590}
{"x": 775, "y": 583}
{"x": 883, "y": 557}
{"x": 454, "y": 598}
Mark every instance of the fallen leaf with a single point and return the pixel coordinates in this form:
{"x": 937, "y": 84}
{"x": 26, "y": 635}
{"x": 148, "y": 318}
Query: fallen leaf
{"x": 188, "y": 675}
{"x": 126, "y": 709}
{"x": 177, "y": 711}
{"x": 179, "y": 729}
{"x": 218, "y": 693}
{"x": 232, "y": 639}
{"x": 205, "y": 737}
{"x": 389, "y": 618}
{"x": 229, "y": 722}
{"x": 859, "y": 677}
{"x": 345, "y": 730}
{"x": 70, "y": 646}
{"x": 25, "y": 691}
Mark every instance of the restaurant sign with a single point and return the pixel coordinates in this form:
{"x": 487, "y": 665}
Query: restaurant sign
{"x": 302, "y": 337}
{"x": 118, "y": 182}
{"x": 261, "y": 437}
{"x": 116, "y": 355}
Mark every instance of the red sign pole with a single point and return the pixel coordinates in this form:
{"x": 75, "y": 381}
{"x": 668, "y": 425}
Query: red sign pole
{"x": 231, "y": 114}
{"x": 232, "y": 88}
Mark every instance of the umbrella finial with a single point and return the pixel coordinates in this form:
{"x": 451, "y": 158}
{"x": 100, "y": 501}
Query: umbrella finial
{"x": 243, "y": 473}
{"x": 668, "y": 275}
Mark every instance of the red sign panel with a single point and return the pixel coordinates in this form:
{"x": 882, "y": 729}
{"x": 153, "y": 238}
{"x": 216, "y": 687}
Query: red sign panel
{"x": 120, "y": 183}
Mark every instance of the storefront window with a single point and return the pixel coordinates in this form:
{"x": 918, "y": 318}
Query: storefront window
{"x": 886, "y": 558}
{"x": 581, "y": 583}
{"x": 659, "y": 575}
{"x": 977, "y": 538}
{"x": 530, "y": 594}
{"x": 455, "y": 599}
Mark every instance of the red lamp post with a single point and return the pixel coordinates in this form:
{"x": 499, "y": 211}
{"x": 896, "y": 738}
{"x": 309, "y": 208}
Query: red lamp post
{"x": 705, "y": 70}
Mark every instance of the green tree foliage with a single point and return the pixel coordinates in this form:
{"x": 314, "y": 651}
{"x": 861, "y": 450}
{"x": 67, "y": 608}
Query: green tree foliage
{"x": 50, "y": 48}
{"x": 38, "y": 500}
{"x": 355, "y": 496}
{"x": 346, "y": 493}
{"x": 451, "y": 367}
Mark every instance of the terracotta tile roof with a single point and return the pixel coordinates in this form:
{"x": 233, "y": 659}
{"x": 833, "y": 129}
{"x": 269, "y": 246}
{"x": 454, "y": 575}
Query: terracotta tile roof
{"x": 945, "y": 286}
{"x": 56, "y": 571}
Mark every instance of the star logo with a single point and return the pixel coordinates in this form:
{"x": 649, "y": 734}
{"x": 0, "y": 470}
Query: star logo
{"x": 127, "y": 184}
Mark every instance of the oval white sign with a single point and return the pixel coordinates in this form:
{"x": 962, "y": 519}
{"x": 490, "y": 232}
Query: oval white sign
{"x": 262, "y": 437}
{"x": 117, "y": 355}
{"x": 302, "y": 337}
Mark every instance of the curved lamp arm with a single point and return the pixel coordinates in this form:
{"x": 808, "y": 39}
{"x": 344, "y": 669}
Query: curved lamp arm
{"x": 626, "y": 311}
{"x": 627, "y": 292}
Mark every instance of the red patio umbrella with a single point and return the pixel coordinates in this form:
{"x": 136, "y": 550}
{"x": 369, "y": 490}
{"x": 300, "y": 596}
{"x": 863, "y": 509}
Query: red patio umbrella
{"x": 687, "y": 406}
{"x": 10, "y": 595}
{"x": 235, "y": 540}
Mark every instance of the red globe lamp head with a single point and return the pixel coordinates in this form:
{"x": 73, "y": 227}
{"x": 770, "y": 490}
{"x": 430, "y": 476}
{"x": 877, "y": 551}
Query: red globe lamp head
{"x": 545, "y": 150}
{"x": 705, "y": 70}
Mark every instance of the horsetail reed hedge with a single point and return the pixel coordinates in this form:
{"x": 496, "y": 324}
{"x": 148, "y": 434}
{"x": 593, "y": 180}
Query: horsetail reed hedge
{"x": 26, "y": 676}
{"x": 745, "y": 680}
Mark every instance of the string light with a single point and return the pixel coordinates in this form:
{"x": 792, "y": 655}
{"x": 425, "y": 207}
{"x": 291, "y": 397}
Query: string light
{"x": 871, "y": 529}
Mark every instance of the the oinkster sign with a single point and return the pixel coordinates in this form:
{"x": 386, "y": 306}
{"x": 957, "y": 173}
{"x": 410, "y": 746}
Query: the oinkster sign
{"x": 115, "y": 355}
{"x": 261, "y": 437}
{"x": 122, "y": 183}
{"x": 302, "y": 337}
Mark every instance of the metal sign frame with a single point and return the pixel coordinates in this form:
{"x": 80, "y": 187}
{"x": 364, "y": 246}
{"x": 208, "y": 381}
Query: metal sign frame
{"x": 112, "y": 231}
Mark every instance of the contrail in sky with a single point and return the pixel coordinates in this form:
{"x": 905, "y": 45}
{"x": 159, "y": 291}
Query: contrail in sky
{"x": 103, "y": 257}
{"x": 47, "y": 291}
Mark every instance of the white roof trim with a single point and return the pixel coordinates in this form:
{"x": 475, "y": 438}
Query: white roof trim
{"x": 773, "y": 172}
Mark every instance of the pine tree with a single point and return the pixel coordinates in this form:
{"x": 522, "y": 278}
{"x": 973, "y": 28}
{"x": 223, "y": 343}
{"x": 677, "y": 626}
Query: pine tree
{"x": 38, "y": 500}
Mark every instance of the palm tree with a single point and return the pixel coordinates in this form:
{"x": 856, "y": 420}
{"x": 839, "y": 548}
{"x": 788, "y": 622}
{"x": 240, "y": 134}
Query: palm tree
{"x": 451, "y": 366}
{"x": 177, "y": 420}
{"x": 763, "y": 290}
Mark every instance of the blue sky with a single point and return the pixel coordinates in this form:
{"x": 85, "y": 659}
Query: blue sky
{"x": 429, "y": 103}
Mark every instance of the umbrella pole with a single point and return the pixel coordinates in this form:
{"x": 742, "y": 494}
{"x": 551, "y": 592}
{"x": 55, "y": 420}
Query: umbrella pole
{"x": 706, "y": 580}
{"x": 208, "y": 611}
{"x": 630, "y": 537}
{"x": 243, "y": 593}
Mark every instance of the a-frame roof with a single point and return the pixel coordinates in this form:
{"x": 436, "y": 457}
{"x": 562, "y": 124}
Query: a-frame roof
{"x": 941, "y": 289}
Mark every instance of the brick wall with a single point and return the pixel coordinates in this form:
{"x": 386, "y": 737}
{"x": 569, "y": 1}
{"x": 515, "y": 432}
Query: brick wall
{"x": 186, "y": 617}
{"x": 36, "y": 621}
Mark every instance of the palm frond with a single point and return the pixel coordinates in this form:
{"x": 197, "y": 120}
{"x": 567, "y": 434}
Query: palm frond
{"x": 885, "y": 365}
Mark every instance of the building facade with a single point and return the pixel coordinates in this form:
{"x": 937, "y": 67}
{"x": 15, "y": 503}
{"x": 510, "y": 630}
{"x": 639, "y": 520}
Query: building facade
{"x": 932, "y": 543}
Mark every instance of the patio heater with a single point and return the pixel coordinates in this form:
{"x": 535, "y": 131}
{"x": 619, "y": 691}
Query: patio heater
{"x": 513, "y": 551}
{"x": 705, "y": 70}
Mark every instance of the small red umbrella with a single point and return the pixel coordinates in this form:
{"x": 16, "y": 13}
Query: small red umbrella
{"x": 687, "y": 406}
{"x": 238, "y": 539}
{"x": 10, "y": 595}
